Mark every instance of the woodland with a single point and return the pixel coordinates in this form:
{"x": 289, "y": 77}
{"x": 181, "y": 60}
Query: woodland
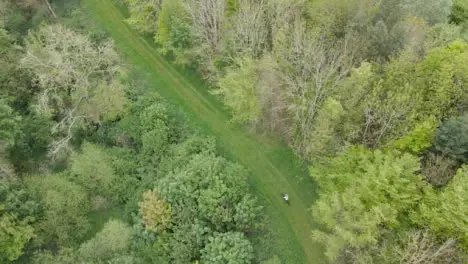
{"x": 371, "y": 95}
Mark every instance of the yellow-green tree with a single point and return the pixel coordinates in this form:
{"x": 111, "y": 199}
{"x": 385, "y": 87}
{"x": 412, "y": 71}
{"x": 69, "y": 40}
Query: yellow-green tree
{"x": 92, "y": 169}
{"x": 238, "y": 89}
{"x": 444, "y": 211}
{"x": 156, "y": 213}
{"x": 144, "y": 14}
{"x": 362, "y": 191}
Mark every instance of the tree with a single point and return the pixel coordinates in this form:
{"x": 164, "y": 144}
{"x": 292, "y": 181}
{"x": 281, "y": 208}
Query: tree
{"x": 325, "y": 141}
{"x": 14, "y": 235}
{"x": 187, "y": 241}
{"x": 444, "y": 211}
{"x": 337, "y": 18}
{"x": 9, "y": 123}
{"x": 156, "y": 132}
{"x": 208, "y": 24}
{"x": 238, "y": 88}
{"x": 64, "y": 256}
{"x": 9, "y": 128}
{"x": 174, "y": 31}
{"x": 420, "y": 246}
{"x": 389, "y": 104}
{"x": 65, "y": 209}
{"x": 438, "y": 169}
{"x": 15, "y": 83}
{"x": 210, "y": 189}
{"x": 310, "y": 70}
{"x": 412, "y": 246}
{"x": 113, "y": 240}
{"x": 31, "y": 144}
{"x": 156, "y": 214}
{"x": 459, "y": 13}
{"x": 362, "y": 191}
{"x": 418, "y": 139}
{"x": 144, "y": 14}
{"x": 433, "y": 11}
{"x": 451, "y": 138}
{"x": 384, "y": 41}
{"x": 230, "y": 248}
{"x": 445, "y": 72}
{"x": 78, "y": 79}
{"x": 92, "y": 169}
{"x": 403, "y": 94}
{"x": 3, "y": 12}
{"x": 17, "y": 215}
{"x": 247, "y": 30}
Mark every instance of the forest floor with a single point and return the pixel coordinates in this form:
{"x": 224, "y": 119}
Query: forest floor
{"x": 273, "y": 167}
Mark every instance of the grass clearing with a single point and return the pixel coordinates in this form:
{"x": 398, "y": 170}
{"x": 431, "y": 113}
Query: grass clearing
{"x": 273, "y": 166}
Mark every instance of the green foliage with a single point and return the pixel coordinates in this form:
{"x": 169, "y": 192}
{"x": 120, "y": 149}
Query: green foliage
{"x": 337, "y": 17}
{"x": 459, "y": 13}
{"x": 126, "y": 174}
{"x": 432, "y": 11}
{"x": 419, "y": 139}
{"x": 211, "y": 189}
{"x": 31, "y": 144}
{"x": 113, "y": 240}
{"x": 444, "y": 72}
{"x": 406, "y": 246}
{"x": 438, "y": 169}
{"x": 238, "y": 88}
{"x": 144, "y": 14}
{"x": 9, "y": 123}
{"x": 79, "y": 81}
{"x": 444, "y": 211}
{"x": 15, "y": 199}
{"x": 361, "y": 191}
{"x": 187, "y": 241}
{"x": 442, "y": 35}
{"x": 14, "y": 235}
{"x": 75, "y": 70}
{"x": 155, "y": 213}
{"x": 323, "y": 142}
{"x": 68, "y": 86}
{"x": 451, "y": 138}
{"x": 92, "y": 170}
{"x": 230, "y": 248}
{"x": 174, "y": 31}
{"x": 65, "y": 208}
{"x": 15, "y": 83}
{"x": 384, "y": 41}
{"x": 273, "y": 260}
{"x": 17, "y": 215}
{"x": 65, "y": 256}
{"x": 386, "y": 103}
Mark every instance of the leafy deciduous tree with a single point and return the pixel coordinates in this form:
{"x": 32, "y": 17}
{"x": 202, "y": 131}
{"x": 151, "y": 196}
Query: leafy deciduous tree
{"x": 92, "y": 170}
{"x": 451, "y": 138}
{"x": 238, "y": 88}
{"x": 230, "y": 248}
{"x": 113, "y": 240}
{"x": 78, "y": 79}
{"x": 17, "y": 216}
{"x": 144, "y": 14}
{"x": 65, "y": 209}
{"x": 156, "y": 214}
{"x": 362, "y": 191}
{"x": 444, "y": 211}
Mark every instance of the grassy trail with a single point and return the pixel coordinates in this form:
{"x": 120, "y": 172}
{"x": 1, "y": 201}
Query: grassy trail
{"x": 273, "y": 167}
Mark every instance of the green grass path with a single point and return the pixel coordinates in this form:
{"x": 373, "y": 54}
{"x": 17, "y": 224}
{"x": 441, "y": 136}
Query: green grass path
{"x": 273, "y": 166}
